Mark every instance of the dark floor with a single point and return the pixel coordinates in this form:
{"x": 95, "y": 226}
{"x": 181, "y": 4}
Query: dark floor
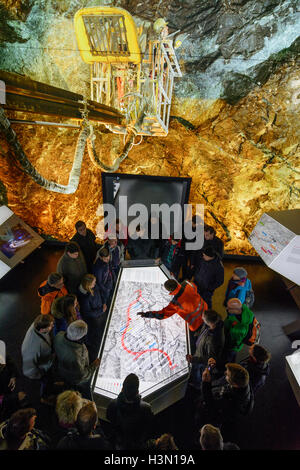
{"x": 274, "y": 423}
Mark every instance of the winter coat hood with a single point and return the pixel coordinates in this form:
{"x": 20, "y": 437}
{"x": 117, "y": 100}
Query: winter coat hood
{"x": 45, "y": 289}
{"x": 124, "y": 403}
{"x": 57, "y": 308}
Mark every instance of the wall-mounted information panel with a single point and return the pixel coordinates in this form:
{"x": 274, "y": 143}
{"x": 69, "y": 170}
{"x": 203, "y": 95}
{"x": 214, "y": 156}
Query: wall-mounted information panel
{"x": 276, "y": 238}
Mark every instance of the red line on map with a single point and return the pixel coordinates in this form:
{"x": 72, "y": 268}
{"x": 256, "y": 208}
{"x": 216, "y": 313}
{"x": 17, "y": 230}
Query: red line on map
{"x": 139, "y": 353}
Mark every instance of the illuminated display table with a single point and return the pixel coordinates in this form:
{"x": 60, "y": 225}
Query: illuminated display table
{"x": 154, "y": 350}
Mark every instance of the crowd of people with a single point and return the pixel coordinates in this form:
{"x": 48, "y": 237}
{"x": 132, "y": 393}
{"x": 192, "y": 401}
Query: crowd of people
{"x": 60, "y": 349}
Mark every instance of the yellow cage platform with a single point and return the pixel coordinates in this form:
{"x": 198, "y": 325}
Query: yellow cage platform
{"x": 106, "y": 34}
{"x": 138, "y": 83}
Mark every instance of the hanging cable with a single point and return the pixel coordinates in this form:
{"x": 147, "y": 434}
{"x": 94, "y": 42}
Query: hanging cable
{"x": 30, "y": 170}
{"x": 96, "y": 160}
{"x": 132, "y": 131}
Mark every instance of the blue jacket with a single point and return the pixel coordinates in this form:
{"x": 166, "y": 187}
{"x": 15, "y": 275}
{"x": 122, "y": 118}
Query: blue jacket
{"x": 239, "y": 292}
{"x": 91, "y": 306}
{"x": 105, "y": 278}
{"x": 116, "y": 256}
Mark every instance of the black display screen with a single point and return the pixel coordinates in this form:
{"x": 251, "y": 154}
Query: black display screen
{"x": 146, "y": 190}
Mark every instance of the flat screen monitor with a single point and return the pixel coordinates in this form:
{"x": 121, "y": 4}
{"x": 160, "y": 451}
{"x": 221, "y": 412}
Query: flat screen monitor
{"x": 147, "y": 190}
{"x": 154, "y": 350}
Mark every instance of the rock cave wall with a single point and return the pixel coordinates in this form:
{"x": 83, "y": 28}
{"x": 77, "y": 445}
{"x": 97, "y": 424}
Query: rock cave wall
{"x": 234, "y": 124}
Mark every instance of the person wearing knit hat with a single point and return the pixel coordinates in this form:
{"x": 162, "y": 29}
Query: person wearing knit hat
{"x": 77, "y": 330}
{"x": 236, "y": 327}
{"x": 73, "y": 364}
{"x": 239, "y": 286}
{"x": 235, "y": 304}
{"x": 50, "y": 290}
{"x": 240, "y": 273}
{"x": 131, "y": 418}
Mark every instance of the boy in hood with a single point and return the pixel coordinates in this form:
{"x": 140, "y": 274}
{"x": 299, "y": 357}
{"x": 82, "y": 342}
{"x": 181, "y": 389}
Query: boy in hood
{"x": 51, "y": 289}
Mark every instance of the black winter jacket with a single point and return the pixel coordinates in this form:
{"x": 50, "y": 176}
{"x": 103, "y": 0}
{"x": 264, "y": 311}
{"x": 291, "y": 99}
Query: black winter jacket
{"x": 105, "y": 278}
{"x": 132, "y": 422}
{"x": 210, "y": 343}
{"x": 91, "y": 306}
{"x": 88, "y": 246}
{"x": 257, "y": 373}
{"x": 216, "y": 243}
{"x": 209, "y": 274}
{"x": 74, "y": 441}
{"x": 225, "y": 403}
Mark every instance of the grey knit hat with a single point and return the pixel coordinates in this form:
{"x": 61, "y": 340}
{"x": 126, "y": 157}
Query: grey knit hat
{"x": 53, "y": 278}
{"x": 240, "y": 272}
{"x": 77, "y": 330}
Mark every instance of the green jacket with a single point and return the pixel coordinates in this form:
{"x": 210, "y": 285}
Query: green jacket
{"x": 236, "y": 330}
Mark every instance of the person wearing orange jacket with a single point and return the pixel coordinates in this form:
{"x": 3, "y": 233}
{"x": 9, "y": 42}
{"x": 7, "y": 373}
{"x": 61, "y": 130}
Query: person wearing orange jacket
{"x": 50, "y": 290}
{"x": 186, "y": 302}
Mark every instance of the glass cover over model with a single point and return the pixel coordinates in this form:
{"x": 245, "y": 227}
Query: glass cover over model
{"x": 154, "y": 350}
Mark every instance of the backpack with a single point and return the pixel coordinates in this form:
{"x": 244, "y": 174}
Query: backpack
{"x": 250, "y": 298}
{"x": 253, "y": 335}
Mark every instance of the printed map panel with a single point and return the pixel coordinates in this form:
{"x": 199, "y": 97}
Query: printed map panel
{"x": 288, "y": 262}
{"x": 153, "y": 349}
{"x": 269, "y": 238}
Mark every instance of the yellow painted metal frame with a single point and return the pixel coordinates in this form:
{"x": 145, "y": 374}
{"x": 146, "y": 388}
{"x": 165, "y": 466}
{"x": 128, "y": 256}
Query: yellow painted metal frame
{"x": 83, "y": 43}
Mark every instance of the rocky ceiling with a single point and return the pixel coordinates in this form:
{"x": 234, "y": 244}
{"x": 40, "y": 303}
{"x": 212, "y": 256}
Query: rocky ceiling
{"x": 235, "y": 116}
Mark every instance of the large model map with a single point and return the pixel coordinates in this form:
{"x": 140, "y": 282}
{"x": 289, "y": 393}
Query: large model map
{"x": 154, "y": 350}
